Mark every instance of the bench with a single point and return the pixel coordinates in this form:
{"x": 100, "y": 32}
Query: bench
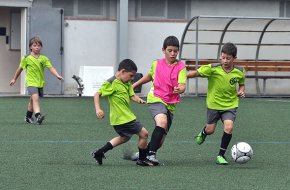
{"x": 253, "y": 69}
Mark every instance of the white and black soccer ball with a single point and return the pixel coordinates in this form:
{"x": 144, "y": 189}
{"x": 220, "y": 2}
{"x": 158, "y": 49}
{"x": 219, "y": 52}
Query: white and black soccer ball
{"x": 241, "y": 152}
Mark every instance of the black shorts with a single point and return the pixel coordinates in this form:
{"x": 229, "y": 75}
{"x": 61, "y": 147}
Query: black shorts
{"x": 128, "y": 129}
{"x": 214, "y": 115}
{"x": 34, "y": 90}
{"x": 157, "y": 108}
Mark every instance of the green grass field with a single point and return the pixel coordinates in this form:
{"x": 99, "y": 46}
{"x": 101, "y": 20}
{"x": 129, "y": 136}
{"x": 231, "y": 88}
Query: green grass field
{"x": 56, "y": 155}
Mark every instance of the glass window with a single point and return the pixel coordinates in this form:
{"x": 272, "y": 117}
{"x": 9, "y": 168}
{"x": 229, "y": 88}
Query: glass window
{"x": 91, "y": 7}
{"x": 287, "y": 9}
{"x": 176, "y": 9}
{"x": 67, "y": 5}
{"x": 152, "y": 8}
{"x": 161, "y": 9}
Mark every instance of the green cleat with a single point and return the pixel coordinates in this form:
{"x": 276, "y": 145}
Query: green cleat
{"x": 220, "y": 160}
{"x": 200, "y": 138}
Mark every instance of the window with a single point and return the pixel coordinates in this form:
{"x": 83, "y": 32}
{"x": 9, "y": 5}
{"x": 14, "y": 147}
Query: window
{"x": 162, "y": 9}
{"x": 87, "y": 8}
{"x": 67, "y": 5}
{"x": 152, "y": 8}
{"x": 284, "y": 9}
{"x": 91, "y": 7}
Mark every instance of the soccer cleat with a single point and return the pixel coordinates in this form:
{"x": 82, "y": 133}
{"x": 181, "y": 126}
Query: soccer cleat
{"x": 200, "y": 138}
{"x": 29, "y": 120}
{"x": 98, "y": 156}
{"x": 144, "y": 162}
{"x": 221, "y": 160}
{"x": 39, "y": 119}
{"x": 153, "y": 160}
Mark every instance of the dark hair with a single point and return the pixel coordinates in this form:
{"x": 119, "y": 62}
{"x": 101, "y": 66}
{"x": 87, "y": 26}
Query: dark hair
{"x": 230, "y": 49}
{"x": 170, "y": 41}
{"x": 128, "y": 65}
{"x": 35, "y": 39}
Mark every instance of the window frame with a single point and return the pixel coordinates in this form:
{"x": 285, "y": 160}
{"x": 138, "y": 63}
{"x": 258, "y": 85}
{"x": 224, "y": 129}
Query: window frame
{"x": 165, "y": 12}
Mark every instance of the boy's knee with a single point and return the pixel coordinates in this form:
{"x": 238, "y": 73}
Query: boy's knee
{"x": 143, "y": 133}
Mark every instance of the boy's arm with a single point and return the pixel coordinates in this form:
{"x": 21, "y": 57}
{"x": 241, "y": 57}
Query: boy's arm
{"x": 143, "y": 80}
{"x": 137, "y": 99}
{"x": 55, "y": 73}
{"x": 16, "y": 75}
{"x": 99, "y": 112}
{"x": 241, "y": 91}
{"x": 179, "y": 89}
{"x": 192, "y": 74}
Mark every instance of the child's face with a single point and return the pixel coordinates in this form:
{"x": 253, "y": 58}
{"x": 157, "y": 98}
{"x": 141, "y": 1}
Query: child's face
{"x": 127, "y": 76}
{"x": 35, "y": 48}
{"x": 227, "y": 61}
{"x": 170, "y": 53}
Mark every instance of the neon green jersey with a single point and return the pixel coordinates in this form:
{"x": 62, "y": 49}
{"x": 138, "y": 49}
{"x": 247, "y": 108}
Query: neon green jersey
{"x": 222, "y": 86}
{"x": 35, "y": 69}
{"x": 153, "y": 99}
{"x": 119, "y": 94}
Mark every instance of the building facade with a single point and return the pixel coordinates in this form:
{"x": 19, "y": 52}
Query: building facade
{"x": 103, "y": 32}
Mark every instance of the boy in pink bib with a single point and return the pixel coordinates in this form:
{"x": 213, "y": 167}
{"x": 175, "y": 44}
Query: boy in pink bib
{"x": 168, "y": 77}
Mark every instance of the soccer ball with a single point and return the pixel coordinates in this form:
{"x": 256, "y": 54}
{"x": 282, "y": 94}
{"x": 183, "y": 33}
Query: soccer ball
{"x": 241, "y": 152}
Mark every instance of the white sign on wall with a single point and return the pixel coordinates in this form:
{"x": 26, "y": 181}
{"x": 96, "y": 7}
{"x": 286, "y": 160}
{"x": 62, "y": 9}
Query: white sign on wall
{"x": 93, "y": 77}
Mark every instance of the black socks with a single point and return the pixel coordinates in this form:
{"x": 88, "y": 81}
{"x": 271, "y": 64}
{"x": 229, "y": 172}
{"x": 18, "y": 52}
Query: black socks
{"x": 225, "y": 142}
{"x": 108, "y": 146}
{"x": 29, "y": 114}
{"x": 156, "y": 138}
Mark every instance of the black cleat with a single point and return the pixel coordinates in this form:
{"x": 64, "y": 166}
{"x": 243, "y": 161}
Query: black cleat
{"x": 153, "y": 160}
{"x": 144, "y": 162}
{"x": 98, "y": 156}
{"x": 29, "y": 120}
{"x": 39, "y": 119}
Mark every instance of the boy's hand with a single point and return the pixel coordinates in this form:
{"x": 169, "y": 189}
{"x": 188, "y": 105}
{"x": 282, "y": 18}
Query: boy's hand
{"x": 141, "y": 101}
{"x": 12, "y": 82}
{"x": 100, "y": 114}
{"x": 241, "y": 94}
{"x": 176, "y": 90}
{"x": 60, "y": 78}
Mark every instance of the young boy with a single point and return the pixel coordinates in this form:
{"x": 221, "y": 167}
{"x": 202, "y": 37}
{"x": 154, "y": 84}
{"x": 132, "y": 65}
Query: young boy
{"x": 222, "y": 96}
{"x": 35, "y": 63}
{"x": 169, "y": 81}
{"x": 119, "y": 91}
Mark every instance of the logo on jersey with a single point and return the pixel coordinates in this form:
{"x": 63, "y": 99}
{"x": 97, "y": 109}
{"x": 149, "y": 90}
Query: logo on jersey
{"x": 233, "y": 81}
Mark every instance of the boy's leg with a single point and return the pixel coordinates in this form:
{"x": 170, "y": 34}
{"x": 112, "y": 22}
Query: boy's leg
{"x": 157, "y": 137}
{"x": 226, "y": 138}
{"x": 142, "y": 144}
{"x": 163, "y": 119}
{"x": 228, "y": 118}
{"x": 29, "y": 113}
{"x": 35, "y": 94}
{"x": 30, "y": 110}
{"x": 99, "y": 154}
{"x": 212, "y": 117}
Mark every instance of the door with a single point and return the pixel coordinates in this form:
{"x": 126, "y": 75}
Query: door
{"x": 47, "y": 23}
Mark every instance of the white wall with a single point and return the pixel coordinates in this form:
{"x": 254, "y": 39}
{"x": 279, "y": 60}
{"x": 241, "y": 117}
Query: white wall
{"x": 87, "y": 43}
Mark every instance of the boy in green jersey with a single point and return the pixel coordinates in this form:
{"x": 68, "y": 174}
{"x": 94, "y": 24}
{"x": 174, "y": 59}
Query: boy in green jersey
{"x": 119, "y": 91}
{"x": 222, "y": 96}
{"x": 34, "y": 63}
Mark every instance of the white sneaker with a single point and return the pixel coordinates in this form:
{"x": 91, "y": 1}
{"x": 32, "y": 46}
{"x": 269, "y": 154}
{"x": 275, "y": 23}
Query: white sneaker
{"x": 153, "y": 160}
